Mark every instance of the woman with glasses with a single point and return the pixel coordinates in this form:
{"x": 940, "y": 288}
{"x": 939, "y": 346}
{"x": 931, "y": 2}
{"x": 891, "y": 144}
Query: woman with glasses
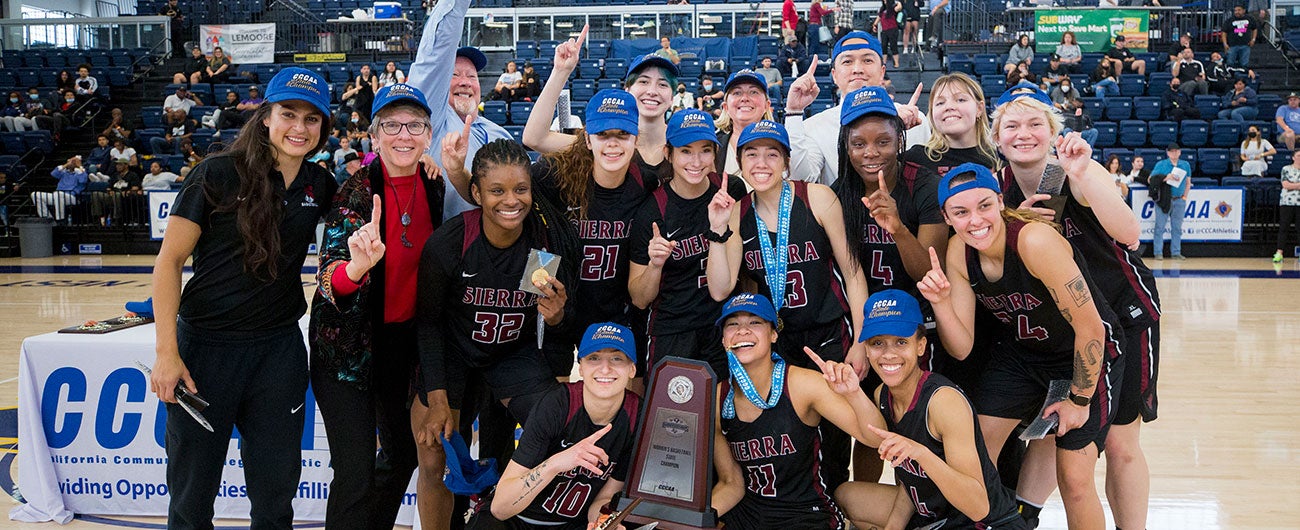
{"x": 363, "y": 316}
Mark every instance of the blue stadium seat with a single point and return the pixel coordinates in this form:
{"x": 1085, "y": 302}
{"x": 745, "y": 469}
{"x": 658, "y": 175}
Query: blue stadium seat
{"x": 986, "y": 64}
{"x": 589, "y": 68}
{"x": 496, "y": 112}
{"x": 1225, "y": 133}
{"x": 519, "y": 112}
{"x": 1095, "y": 107}
{"x": 516, "y": 132}
{"x": 616, "y": 68}
{"x": 1118, "y": 108}
{"x": 1214, "y": 162}
{"x": 1279, "y": 161}
{"x": 598, "y": 49}
{"x": 961, "y": 63}
{"x": 993, "y": 86}
{"x": 13, "y": 143}
{"x": 1194, "y": 133}
{"x": 1162, "y": 133}
{"x": 603, "y": 84}
{"x": 546, "y": 48}
{"x": 1125, "y": 156}
{"x": 711, "y": 68}
{"x": 1158, "y": 82}
{"x": 1132, "y": 85}
{"x": 1208, "y": 105}
{"x": 582, "y": 89}
{"x": 528, "y": 49}
{"x": 691, "y": 68}
{"x": 202, "y": 139}
{"x": 42, "y": 141}
{"x": 151, "y": 117}
{"x": 1107, "y": 133}
{"x": 1132, "y": 133}
{"x": 147, "y": 134}
{"x": 1235, "y": 180}
{"x": 1152, "y": 155}
{"x": 1268, "y": 104}
{"x": 1146, "y": 108}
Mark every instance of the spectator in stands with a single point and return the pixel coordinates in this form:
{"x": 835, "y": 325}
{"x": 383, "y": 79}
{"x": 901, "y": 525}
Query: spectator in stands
{"x": 41, "y": 113}
{"x": 243, "y": 111}
{"x": 1123, "y": 59}
{"x": 1115, "y": 167}
{"x": 1064, "y": 93}
{"x": 158, "y": 179}
{"x": 361, "y": 91}
{"x": 773, "y": 77}
{"x": 745, "y": 102}
{"x": 708, "y": 97}
{"x": 100, "y": 156}
{"x": 1177, "y": 104}
{"x": 7, "y": 190}
{"x": 1288, "y": 119}
{"x": 1138, "y": 172}
{"x": 1190, "y": 73}
{"x": 118, "y": 127}
{"x": 192, "y": 157}
{"x": 1177, "y": 177}
{"x": 345, "y": 147}
{"x": 886, "y": 25}
{"x": 1056, "y": 71}
{"x": 218, "y": 68}
{"x": 86, "y": 85}
{"x": 934, "y": 28}
{"x": 1288, "y": 205}
{"x": 170, "y": 141}
{"x": 667, "y": 52}
{"x": 789, "y": 19}
{"x": 359, "y": 131}
{"x": 683, "y": 99}
{"x": 816, "y": 12}
{"x": 126, "y": 186}
{"x": 226, "y": 106}
{"x": 1176, "y": 49}
{"x": 1238, "y": 35}
{"x": 1255, "y": 151}
{"x": 66, "y": 109}
{"x": 192, "y": 71}
{"x": 64, "y": 83}
{"x": 1242, "y": 104}
{"x": 532, "y": 82}
{"x": 178, "y": 30}
{"x": 794, "y": 58}
{"x": 13, "y": 116}
{"x": 912, "y": 24}
{"x": 1021, "y": 74}
{"x": 1220, "y": 76}
{"x": 843, "y": 18}
{"x": 120, "y": 150}
{"x": 1105, "y": 82}
{"x": 1069, "y": 53}
{"x": 351, "y": 164}
{"x": 72, "y": 181}
{"x": 1020, "y": 52}
{"x": 1073, "y": 118}
{"x": 508, "y": 84}
{"x": 176, "y": 108}
{"x": 391, "y": 75}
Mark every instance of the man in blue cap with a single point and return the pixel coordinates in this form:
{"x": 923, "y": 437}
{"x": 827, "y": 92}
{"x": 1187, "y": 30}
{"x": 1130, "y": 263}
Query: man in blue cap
{"x": 444, "y": 72}
{"x": 856, "y": 62}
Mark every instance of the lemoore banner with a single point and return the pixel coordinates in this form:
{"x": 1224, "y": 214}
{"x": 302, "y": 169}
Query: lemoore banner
{"x": 160, "y": 206}
{"x": 1093, "y": 28}
{"x": 243, "y": 43}
{"x": 1212, "y": 214}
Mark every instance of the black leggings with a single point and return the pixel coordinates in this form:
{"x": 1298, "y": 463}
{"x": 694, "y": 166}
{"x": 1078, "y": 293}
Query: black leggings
{"x": 889, "y": 40}
{"x": 1288, "y": 217}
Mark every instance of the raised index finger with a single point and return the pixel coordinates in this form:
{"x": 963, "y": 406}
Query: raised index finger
{"x": 378, "y": 212}
{"x": 599, "y": 434}
{"x": 916, "y": 96}
{"x": 582, "y": 37}
{"x": 654, "y": 229}
{"x": 469, "y": 121}
{"x": 812, "y": 69}
{"x": 880, "y": 177}
{"x": 816, "y": 359}
{"x": 934, "y": 260}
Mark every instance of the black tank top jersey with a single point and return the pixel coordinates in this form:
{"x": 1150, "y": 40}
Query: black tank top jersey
{"x": 1025, "y": 307}
{"x": 557, "y": 422}
{"x": 489, "y": 317}
{"x": 916, "y": 195}
{"x": 780, "y": 458}
{"x": 814, "y": 289}
{"x": 603, "y": 234}
{"x": 1125, "y": 280}
{"x": 684, "y": 303}
{"x": 950, "y": 159}
{"x": 930, "y": 505}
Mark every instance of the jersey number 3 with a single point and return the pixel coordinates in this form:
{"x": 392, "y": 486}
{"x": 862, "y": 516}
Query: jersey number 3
{"x": 496, "y": 328}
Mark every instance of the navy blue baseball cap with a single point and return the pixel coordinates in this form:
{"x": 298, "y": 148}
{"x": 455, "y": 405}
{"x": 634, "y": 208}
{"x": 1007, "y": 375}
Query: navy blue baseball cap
{"x": 857, "y": 40}
{"x": 474, "y": 55}
{"x": 295, "y": 83}
{"x": 607, "y": 335}
{"x": 764, "y": 129}
{"x": 1024, "y": 89}
{"x": 866, "y": 100}
{"x": 395, "y": 93}
{"x": 890, "y": 312}
{"x": 754, "y": 304}
{"x": 983, "y": 179}
{"x": 745, "y": 76}
{"x": 651, "y": 59}
{"x": 691, "y": 125}
{"x": 611, "y": 109}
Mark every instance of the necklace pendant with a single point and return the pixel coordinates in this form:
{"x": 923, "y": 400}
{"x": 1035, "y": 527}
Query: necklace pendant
{"x": 406, "y": 220}
{"x": 406, "y": 242}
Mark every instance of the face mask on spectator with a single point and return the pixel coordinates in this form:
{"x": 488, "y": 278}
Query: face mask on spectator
{"x": 34, "y": 96}
{"x": 13, "y": 100}
{"x": 70, "y": 100}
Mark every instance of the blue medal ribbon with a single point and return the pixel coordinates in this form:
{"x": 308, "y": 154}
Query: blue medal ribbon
{"x": 740, "y": 378}
{"x": 776, "y": 260}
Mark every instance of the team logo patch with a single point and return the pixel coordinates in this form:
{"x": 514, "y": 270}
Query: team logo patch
{"x": 884, "y": 308}
{"x": 681, "y": 389}
{"x": 608, "y": 333}
{"x": 675, "y": 426}
{"x": 1223, "y": 209}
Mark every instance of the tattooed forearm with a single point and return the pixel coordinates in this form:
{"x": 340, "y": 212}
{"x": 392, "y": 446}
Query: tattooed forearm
{"x": 1066, "y": 313}
{"x": 1087, "y": 364}
{"x": 532, "y": 481}
{"x": 1078, "y": 288}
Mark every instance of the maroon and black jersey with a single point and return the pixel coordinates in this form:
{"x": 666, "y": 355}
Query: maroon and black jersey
{"x": 780, "y": 458}
{"x": 916, "y": 195}
{"x": 931, "y": 507}
{"x": 559, "y": 421}
{"x": 951, "y": 158}
{"x": 814, "y": 289}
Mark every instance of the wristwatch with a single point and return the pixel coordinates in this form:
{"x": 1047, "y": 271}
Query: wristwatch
{"x": 1081, "y": 401}
{"x": 713, "y": 236}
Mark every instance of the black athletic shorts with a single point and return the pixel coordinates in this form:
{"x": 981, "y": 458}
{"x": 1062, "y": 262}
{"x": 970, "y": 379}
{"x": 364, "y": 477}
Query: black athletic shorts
{"x": 516, "y": 375}
{"x": 1141, "y": 367}
{"x": 1015, "y": 383}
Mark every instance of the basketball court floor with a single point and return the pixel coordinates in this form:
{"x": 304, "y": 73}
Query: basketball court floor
{"x": 1225, "y": 453}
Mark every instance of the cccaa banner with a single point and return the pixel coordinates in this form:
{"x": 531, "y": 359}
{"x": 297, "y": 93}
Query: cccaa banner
{"x": 243, "y": 43}
{"x": 1212, "y": 214}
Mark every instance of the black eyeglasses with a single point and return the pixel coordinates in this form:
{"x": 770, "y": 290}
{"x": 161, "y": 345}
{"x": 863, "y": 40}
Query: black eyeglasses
{"x": 394, "y": 128}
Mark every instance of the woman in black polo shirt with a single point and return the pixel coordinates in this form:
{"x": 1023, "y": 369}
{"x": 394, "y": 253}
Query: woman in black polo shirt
{"x": 247, "y": 217}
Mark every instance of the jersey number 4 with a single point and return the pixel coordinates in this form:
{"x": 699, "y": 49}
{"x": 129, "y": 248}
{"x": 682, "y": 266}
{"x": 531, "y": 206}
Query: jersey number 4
{"x": 496, "y": 328}
{"x": 568, "y": 499}
{"x": 599, "y": 263}
{"x": 878, "y": 269}
{"x": 1024, "y": 331}
{"x": 761, "y": 480}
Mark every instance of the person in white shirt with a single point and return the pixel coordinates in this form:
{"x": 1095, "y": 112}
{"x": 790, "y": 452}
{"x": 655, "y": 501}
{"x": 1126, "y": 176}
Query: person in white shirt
{"x": 391, "y": 75}
{"x": 855, "y": 63}
{"x": 120, "y": 151}
{"x": 176, "y": 108}
{"x": 508, "y": 83}
{"x": 159, "y": 180}
{"x": 683, "y": 99}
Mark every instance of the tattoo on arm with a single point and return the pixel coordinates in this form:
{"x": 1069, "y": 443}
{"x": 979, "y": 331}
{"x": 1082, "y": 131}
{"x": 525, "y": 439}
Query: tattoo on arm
{"x": 1078, "y": 288}
{"x": 1085, "y": 360}
{"x": 531, "y": 481}
{"x": 1066, "y": 313}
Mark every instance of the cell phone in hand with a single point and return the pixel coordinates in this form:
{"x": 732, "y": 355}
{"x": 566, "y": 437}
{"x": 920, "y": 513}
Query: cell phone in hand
{"x": 1051, "y": 184}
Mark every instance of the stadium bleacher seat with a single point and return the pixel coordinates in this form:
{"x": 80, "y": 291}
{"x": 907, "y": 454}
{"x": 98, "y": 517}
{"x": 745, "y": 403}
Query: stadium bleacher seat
{"x": 597, "y": 49}
{"x": 1132, "y": 85}
{"x": 1235, "y": 180}
{"x": 13, "y": 143}
{"x": 496, "y": 112}
{"x": 986, "y": 64}
{"x": 1162, "y": 133}
{"x": 589, "y": 69}
{"x": 519, "y": 112}
{"x": 993, "y": 86}
{"x": 1157, "y": 82}
{"x": 1125, "y": 156}
{"x": 691, "y": 68}
{"x": 1193, "y": 133}
{"x": 1095, "y": 107}
{"x": 528, "y": 49}
{"x": 1225, "y": 133}
{"x": 1208, "y": 105}
{"x": 1107, "y": 133}
{"x": 1213, "y": 161}
{"x": 202, "y": 139}
{"x": 1268, "y": 104}
{"x": 616, "y": 68}
{"x": 1118, "y": 108}
{"x": 516, "y": 132}
{"x": 42, "y": 141}
{"x": 1279, "y": 161}
{"x": 1132, "y": 133}
{"x": 582, "y": 89}
{"x": 1146, "y": 108}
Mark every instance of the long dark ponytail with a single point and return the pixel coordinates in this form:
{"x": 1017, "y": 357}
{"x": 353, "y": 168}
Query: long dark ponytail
{"x": 258, "y": 207}
{"x": 850, "y": 189}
